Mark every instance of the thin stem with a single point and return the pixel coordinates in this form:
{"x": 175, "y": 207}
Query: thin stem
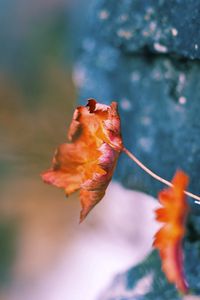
{"x": 155, "y": 176}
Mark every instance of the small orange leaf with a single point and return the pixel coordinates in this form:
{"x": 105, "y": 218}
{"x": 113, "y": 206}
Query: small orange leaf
{"x": 168, "y": 240}
{"x": 87, "y": 163}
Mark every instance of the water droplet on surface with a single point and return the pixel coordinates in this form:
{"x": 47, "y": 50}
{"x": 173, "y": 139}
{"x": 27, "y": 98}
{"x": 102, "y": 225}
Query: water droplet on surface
{"x": 125, "y": 104}
{"x": 126, "y": 34}
{"x": 182, "y": 100}
{"x": 160, "y": 48}
{"x": 104, "y": 14}
{"x": 174, "y": 31}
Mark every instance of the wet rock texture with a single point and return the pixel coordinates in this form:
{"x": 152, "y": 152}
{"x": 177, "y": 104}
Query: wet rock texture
{"x": 145, "y": 55}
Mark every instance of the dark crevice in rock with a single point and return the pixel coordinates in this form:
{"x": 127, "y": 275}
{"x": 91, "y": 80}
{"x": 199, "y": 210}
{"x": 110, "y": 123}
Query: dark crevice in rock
{"x": 181, "y": 65}
{"x": 180, "y": 61}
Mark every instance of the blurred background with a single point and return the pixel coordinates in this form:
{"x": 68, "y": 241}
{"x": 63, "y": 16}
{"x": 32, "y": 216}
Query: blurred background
{"x": 44, "y": 253}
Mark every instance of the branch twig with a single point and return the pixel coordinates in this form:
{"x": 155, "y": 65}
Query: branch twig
{"x": 155, "y": 176}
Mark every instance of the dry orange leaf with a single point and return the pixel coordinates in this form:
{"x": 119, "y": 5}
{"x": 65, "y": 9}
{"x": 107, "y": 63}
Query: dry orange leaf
{"x": 168, "y": 240}
{"x": 87, "y": 163}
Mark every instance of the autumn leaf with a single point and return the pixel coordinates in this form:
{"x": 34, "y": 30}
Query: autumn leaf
{"x": 87, "y": 162}
{"x": 168, "y": 240}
